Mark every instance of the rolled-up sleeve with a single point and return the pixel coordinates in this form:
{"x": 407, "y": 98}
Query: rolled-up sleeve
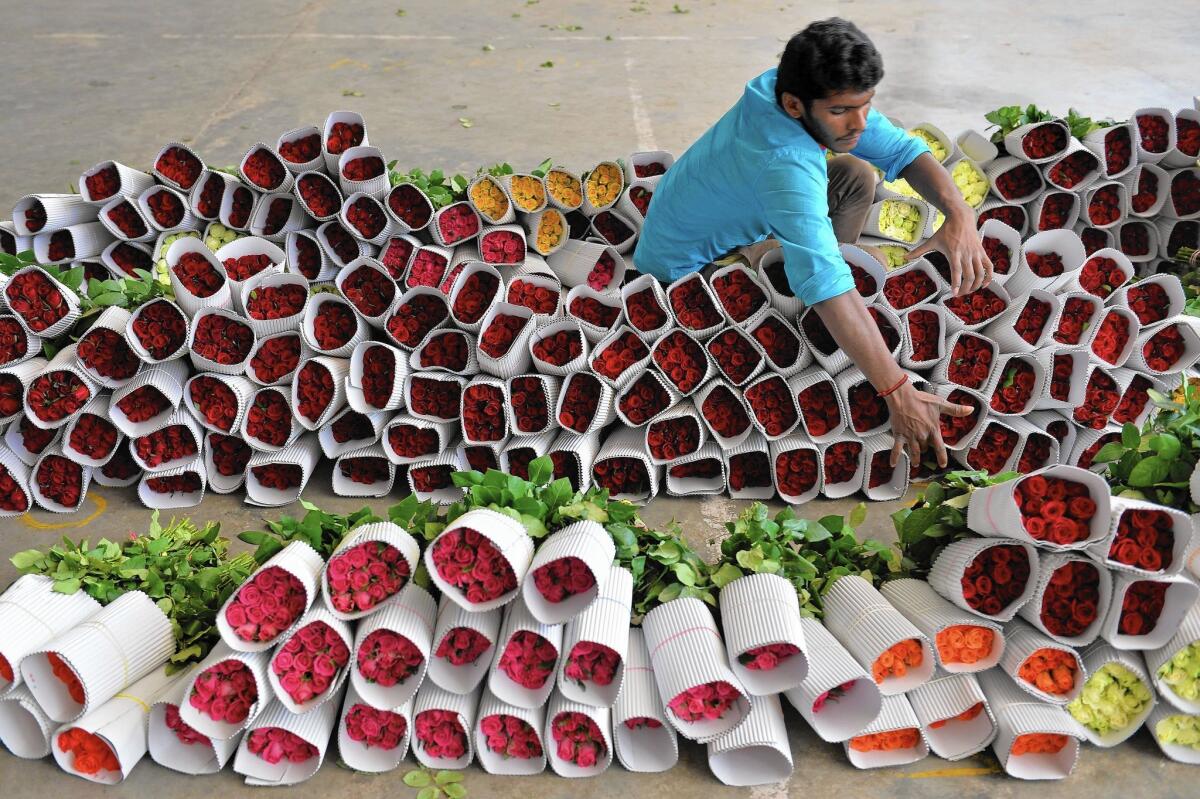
{"x": 793, "y": 193}
{"x": 887, "y": 146}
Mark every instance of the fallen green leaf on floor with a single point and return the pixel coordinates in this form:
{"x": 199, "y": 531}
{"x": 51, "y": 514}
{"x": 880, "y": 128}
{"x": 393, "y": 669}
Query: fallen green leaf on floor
{"x": 554, "y": 105}
{"x": 487, "y": 48}
{"x": 351, "y": 93}
{"x": 546, "y": 64}
{"x": 678, "y": 9}
{"x": 400, "y": 12}
{"x": 465, "y": 122}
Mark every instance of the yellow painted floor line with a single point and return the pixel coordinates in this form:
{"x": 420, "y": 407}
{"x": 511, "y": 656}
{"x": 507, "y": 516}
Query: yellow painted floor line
{"x": 97, "y": 500}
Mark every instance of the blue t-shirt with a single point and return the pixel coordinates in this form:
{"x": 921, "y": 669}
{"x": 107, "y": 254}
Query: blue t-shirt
{"x": 754, "y": 173}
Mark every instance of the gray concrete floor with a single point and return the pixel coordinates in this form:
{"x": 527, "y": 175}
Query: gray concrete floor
{"x": 85, "y": 82}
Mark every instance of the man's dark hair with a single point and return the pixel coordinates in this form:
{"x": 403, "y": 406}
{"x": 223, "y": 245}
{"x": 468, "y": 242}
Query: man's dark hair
{"x": 829, "y": 56}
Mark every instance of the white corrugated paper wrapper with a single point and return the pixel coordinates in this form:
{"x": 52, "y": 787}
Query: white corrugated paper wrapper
{"x": 933, "y": 615}
{"x": 361, "y": 756}
{"x": 868, "y": 626}
{"x": 1023, "y": 642}
{"x": 409, "y": 614}
{"x": 1096, "y": 657}
{"x": 1016, "y": 714}
{"x": 390, "y": 535}
{"x": 604, "y": 623}
{"x": 757, "y": 752}
{"x": 462, "y": 706}
{"x": 31, "y": 614}
{"x": 501, "y": 762}
{"x": 122, "y": 723}
{"x": 831, "y": 667}
{"x": 463, "y": 678}
{"x": 602, "y": 718}
{"x": 1159, "y": 663}
{"x": 642, "y": 748}
{"x": 319, "y": 614}
{"x": 756, "y": 611}
{"x": 896, "y": 714}
{"x": 111, "y": 649}
{"x": 517, "y": 618}
{"x": 946, "y": 573}
{"x": 297, "y": 559}
{"x": 169, "y": 751}
{"x": 686, "y": 651}
{"x": 1160, "y": 721}
{"x": 584, "y": 540}
{"x": 314, "y": 728}
{"x": 940, "y": 701}
{"x": 216, "y": 729}
{"x": 25, "y": 729}
{"x": 507, "y": 535}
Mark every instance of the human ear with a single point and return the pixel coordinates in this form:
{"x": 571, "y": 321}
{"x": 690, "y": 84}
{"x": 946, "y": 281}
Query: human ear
{"x": 793, "y": 106}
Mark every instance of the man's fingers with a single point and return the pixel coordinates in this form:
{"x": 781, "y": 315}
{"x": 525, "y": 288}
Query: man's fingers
{"x": 897, "y": 448}
{"x": 953, "y": 409}
{"x": 939, "y": 449}
{"x": 917, "y": 252}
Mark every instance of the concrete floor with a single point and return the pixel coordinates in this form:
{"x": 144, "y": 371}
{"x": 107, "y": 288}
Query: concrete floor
{"x": 88, "y": 82}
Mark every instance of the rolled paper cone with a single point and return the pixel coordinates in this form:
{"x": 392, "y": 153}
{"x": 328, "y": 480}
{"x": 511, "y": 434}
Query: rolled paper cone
{"x": 272, "y": 277}
{"x": 188, "y": 302}
{"x": 872, "y": 227}
{"x": 605, "y": 405}
{"x": 25, "y": 729}
{"x": 1070, "y": 281}
{"x": 46, "y": 502}
{"x": 220, "y": 729}
{"x": 946, "y": 573}
{"x": 839, "y": 718}
{"x": 705, "y": 333}
{"x": 335, "y": 117}
{"x": 516, "y": 359}
{"x": 582, "y": 451}
{"x": 1187, "y": 359}
{"x": 760, "y": 610}
{"x": 549, "y": 328}
{"x": 168, "y": 750}
{"x": 368, "y": 757}
{"x": 757, "y": 752}
{"x": 410, "y": 614}
{"x": 698, "y": 486}
{"x": 641, "y": 747}
{"x": 1145, "y": 156}
{"x": 517, "y": 230}
{"x": 377, "y": 187}
{"x": 1017, "y": 715}
{"x": 400, "y": 224}
{"x": 1159, "y": 722}
{"x": 1182, "y": 593}
{"x": 313, "y": 728}
{"x": 500, "y": 762}
{"x": 319, "y": 613}
{"x": 446, "y": 434}
{"x": 65, "y": 360}
{"x": 1151, "y": 234}
{"x": 153, "y": 497}
{"x": 636, "y": 162}
{"x": 754, "y": 446}
{"x": 1170, "y": 284}
{"x": 1086, "y": 438}
{"x": 354, "y": 199}
{"x": 464, "y": 706}
{"x": 130, "y": 182}
{"x": 832, "y": 490}
{"x": 549, "y": 387}
{"x": 294, "y": 428}
{"x": 895, "y": 714}
{"x": 110, "y": 650}
{"x": 1013, "y": 140}
{"x": 1074, "y": 146}
{"x": 308, "y": 333}
{"x": 605, "y": 622}
{"x": 114, "y": 319}
{"x": 1032, "y": 610}
{"x": 932, "y": 614}
{"x": 136, "y": 345}
{"x": 304, "y": 452}
{"x": 894, "y": 486}
{"x": 1166, "y": 676}
{"x": 686, "y": 652}
{"x": 439, "y": 236}
{"x": 993, "y": 511}
{"x": 388, "y": 534}
{"x": 863, "y": 621}
{"x": 468, "y": 370}
{"x": 222, "y": 182}
{"x": 297, "y": 559}
{"x": 507, "y": 535}
{"x": 12, "y": 465}
{"x": 504, "y": 423}
{"x": 32, "y": 613}
{"x": 14, "y": 440}
{"x": 584, "y": 540}
{"x": 204, "y": 364}
{"x": 517, "y": 618}
{"x": 1081, "y": 369}
{"x": 333, "y": 449}
{"x": 181, "y": 418}
{"x": 442, "y": 463}
{"x": 121, "y": 723}
{"x": 627, "y": 442}
{"x": 601, "y": 716}
{"x": 509, "y": 213}
{"x": 1096, "y": 657}
{"x": 369, "y": 264}
{"x": 940, "y": 701}
{"x": 243, "y": 389}
{"x": 344, "y": 486}
{"x": 636, "y": 287}
{"x": 323, "y": 270}
{"x": 465, "y": 678}
{"x": 630, "y": 373}
{"x": 1022, "y": 642}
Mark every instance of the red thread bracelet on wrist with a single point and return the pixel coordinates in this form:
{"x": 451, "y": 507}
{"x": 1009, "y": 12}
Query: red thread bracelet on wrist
{"x": 891, "y": 390}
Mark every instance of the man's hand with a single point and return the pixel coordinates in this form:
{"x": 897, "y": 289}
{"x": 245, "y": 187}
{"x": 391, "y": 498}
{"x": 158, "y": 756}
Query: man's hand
{"x": 915, "y": 425}
{"x": 957, "y": 239}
